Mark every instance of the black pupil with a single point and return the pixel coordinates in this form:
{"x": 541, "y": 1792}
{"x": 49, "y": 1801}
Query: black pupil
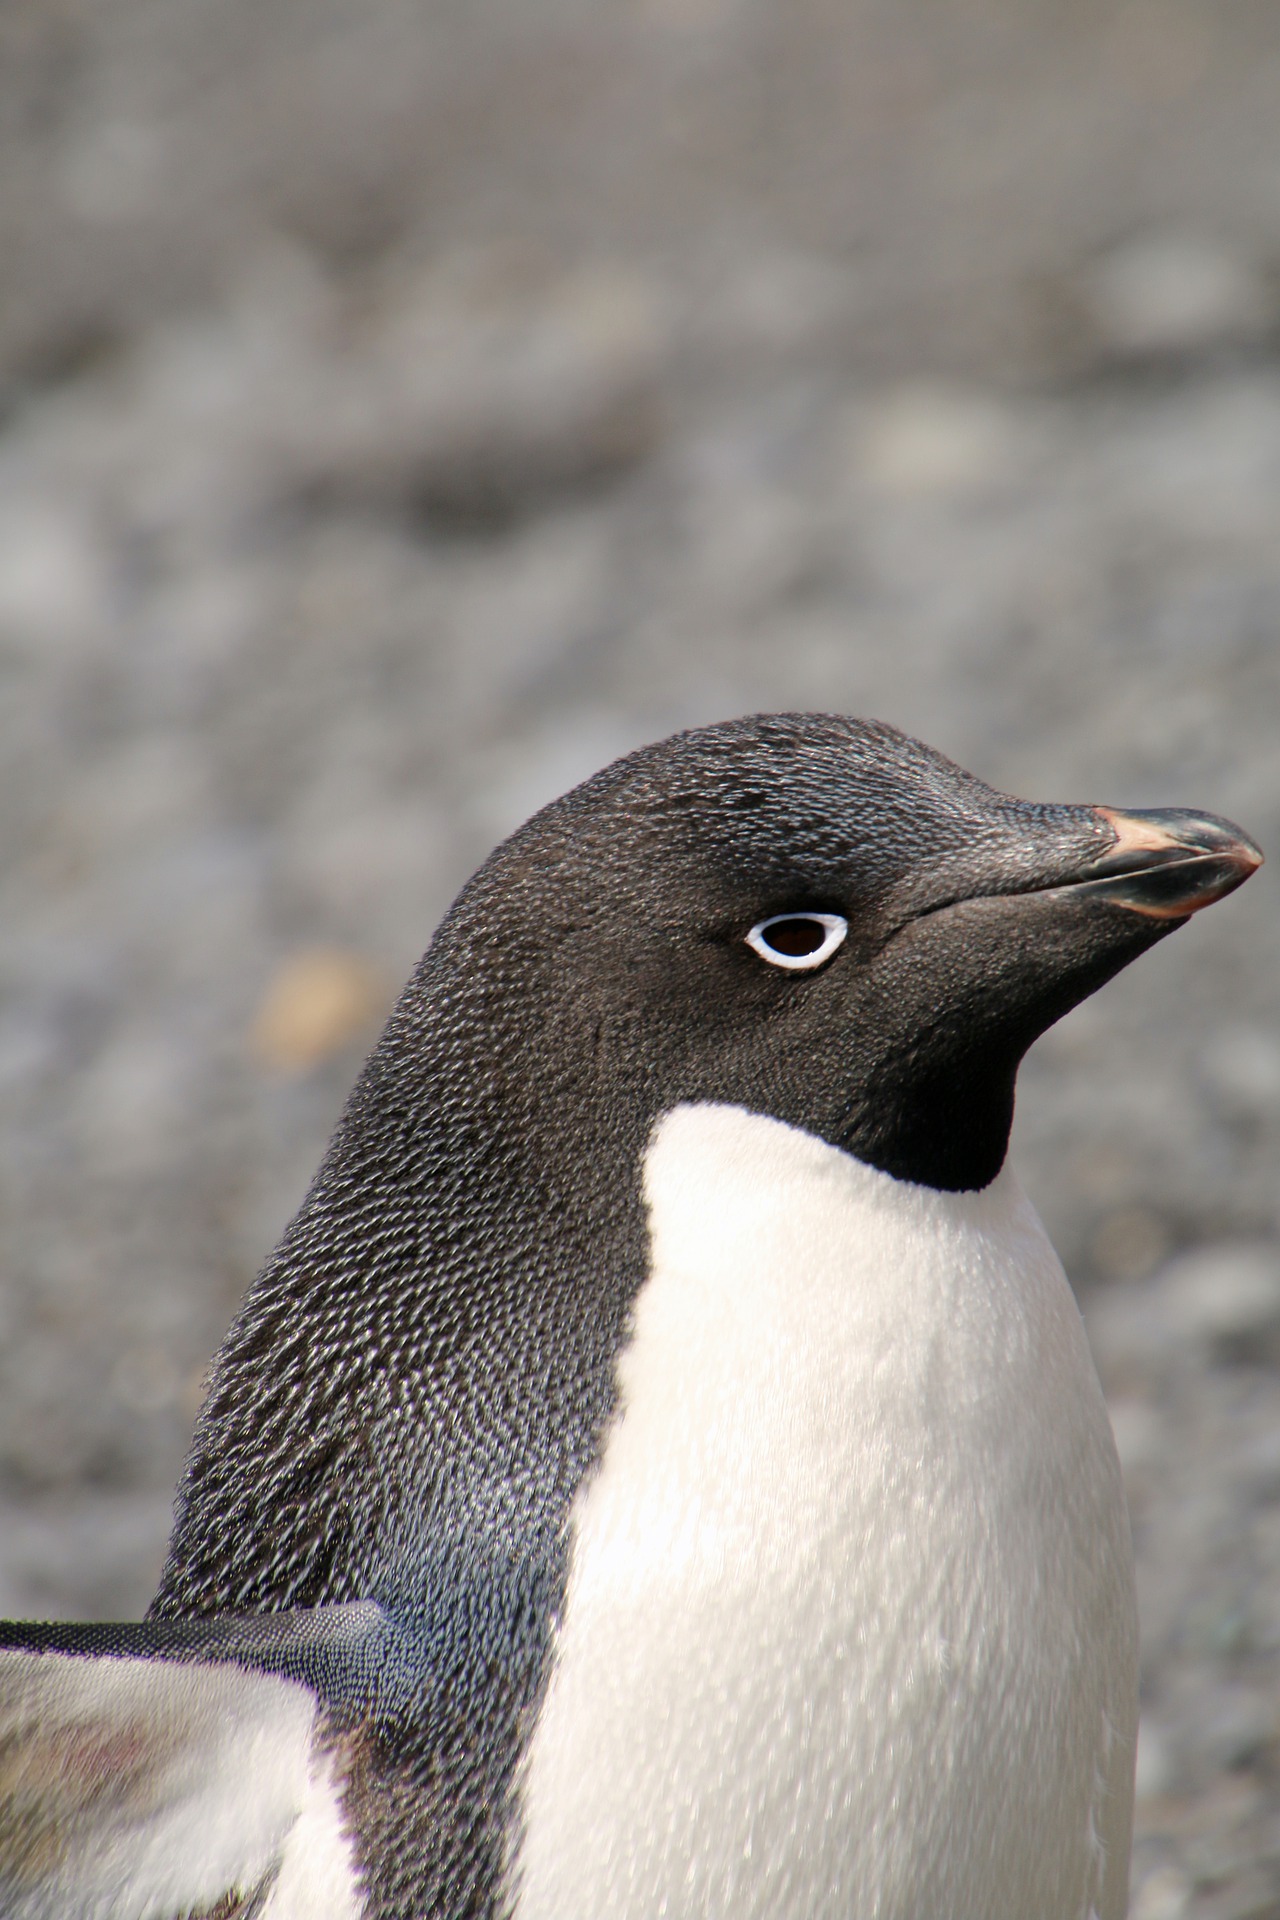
{"x": 795, "y": 936}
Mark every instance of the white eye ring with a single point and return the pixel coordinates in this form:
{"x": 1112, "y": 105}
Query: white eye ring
{"x": 833, "y": 927}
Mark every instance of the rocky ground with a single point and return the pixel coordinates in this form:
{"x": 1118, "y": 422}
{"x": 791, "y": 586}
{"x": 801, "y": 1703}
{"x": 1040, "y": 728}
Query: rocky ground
{"x": 407, "y": 411}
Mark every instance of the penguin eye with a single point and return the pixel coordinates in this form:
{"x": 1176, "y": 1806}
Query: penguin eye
{"x": 797, "y": 940}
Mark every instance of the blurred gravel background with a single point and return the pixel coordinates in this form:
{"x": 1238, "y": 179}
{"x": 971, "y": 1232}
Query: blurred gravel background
{"x": 406, "y": 409}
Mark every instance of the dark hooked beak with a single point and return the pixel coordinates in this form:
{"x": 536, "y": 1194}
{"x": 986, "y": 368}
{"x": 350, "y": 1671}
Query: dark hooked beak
{"x": 1167, "y": 862}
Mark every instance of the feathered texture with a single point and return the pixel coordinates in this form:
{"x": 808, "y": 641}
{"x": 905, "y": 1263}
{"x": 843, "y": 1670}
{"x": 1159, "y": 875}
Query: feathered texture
{"x": 420, "y": 1382}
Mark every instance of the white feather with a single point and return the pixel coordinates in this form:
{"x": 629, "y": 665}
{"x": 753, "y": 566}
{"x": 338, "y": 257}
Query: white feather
{"x": 850, "y": 1625}
{"x": 317, "y": 1874}
{"x": 144, "y": 1789}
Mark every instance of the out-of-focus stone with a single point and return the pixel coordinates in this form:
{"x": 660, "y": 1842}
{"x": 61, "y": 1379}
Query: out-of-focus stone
{"x": 94, "y": 1557}
{"x": 1226, "y": 1298}
{"x": 1153, "y": 1771}
{"x": 1163, "y": 1895}
{"x": 924, "y": 440}
{"x": 1222, "y": 1725}
{"x": 1242, "y": 1068}
{"x": 54, "y": 573}
{"x": 146, "y": 1378}
{"x": 1139, "y": 1434}
{"x": 777, "y": 303}
{"x": 490, "y": 382}
{"x": 318, "y": 1002}
{"x": 1129, "y": 1243}
{"x": 129, "y": 1103}
{"x": 1175, "y": 294}
{"x": 1220, "y": 1303}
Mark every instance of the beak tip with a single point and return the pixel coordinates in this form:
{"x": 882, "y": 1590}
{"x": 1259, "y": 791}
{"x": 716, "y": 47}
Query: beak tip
{"x": 1171, "y": 861}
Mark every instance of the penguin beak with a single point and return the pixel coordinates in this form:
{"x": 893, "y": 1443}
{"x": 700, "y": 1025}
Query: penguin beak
{"x": 1166, "y": 862}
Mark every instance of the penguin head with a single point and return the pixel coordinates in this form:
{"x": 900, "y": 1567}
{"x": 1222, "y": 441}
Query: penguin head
{"x": 811, "y": 918}
{"x": 820, "y": 919}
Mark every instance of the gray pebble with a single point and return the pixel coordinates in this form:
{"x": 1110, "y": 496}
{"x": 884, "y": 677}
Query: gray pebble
{"x": 1177, "y": 293}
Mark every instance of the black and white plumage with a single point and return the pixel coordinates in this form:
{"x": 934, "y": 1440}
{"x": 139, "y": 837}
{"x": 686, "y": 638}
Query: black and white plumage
{"x": 660, "y": 1470}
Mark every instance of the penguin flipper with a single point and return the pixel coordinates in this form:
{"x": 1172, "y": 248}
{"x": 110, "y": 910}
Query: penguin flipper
{"x": 177, "y": 1768}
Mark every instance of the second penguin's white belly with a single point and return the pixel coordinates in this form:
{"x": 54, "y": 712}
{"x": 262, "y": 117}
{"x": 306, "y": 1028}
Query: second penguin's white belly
{"x": 850, "y": 1624}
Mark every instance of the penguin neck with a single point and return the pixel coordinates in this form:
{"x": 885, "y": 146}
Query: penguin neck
{"x": 417, "y": 1381}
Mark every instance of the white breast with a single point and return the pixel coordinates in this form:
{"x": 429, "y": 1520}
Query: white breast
{"x": 850, "y": 1621}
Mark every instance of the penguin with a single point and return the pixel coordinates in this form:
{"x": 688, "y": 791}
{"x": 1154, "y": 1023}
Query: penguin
{"x": 661, "y": 1470}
